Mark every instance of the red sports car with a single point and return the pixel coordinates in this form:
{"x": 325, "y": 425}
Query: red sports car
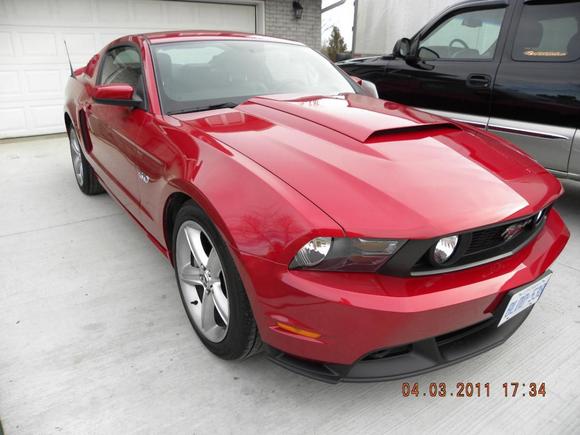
{"x": 352, "y": 238}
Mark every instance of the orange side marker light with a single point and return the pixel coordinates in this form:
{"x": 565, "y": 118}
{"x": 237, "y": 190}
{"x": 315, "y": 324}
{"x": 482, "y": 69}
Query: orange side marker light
{"x": 298, "y": 331}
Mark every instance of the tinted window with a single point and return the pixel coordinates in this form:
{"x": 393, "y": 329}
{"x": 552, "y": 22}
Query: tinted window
{"x": 196, "y": 74}
{"x": 469, "y": 35}
{"x": 122, "y": 65}
{"x": 548, "y": 32}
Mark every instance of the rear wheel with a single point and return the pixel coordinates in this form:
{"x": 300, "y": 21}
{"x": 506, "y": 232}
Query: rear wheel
{"x": 84, "y": 173}
{"x": 210, "y": 286}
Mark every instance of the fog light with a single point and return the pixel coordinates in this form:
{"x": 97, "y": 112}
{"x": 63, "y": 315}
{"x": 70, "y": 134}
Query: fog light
{"x": 444, "y": 249}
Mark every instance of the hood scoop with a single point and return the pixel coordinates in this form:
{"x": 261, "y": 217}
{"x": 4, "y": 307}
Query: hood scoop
{"x": 413, "y": 132}
{"x": 359, "y": 117}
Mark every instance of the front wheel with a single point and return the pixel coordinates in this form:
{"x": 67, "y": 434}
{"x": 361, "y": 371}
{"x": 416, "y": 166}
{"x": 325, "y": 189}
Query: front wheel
{"x": 211, "y": 288}
{"x": 84, "y": 173}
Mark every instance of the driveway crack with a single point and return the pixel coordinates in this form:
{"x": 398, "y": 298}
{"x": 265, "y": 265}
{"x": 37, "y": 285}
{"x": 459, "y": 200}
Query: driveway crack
{"x": 60, "y": 225}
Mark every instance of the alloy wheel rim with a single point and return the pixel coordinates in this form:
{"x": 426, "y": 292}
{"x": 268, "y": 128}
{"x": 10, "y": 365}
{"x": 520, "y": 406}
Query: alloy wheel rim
{"x": 76, "y": 157}
{"x": 202, "y": 281}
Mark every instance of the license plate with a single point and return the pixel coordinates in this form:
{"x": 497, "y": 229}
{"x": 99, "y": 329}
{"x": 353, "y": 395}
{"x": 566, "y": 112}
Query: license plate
{"x": 525, "y": 298}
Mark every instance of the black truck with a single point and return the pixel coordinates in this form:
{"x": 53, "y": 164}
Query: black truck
{"x": 511, "y": 67}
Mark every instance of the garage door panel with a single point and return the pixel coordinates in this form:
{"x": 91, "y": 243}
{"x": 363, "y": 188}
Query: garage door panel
{"x": 113, "y": 11}
{"x": 81, "y": 43}
{"x": 43, "y": 82}
{"x": 221, "y": 16}
{"x": 47, "y": 117}
{"x": 6, "y": 44}
{"x": 104, "y": 38}
{"x": 33, "y": 62}
{"x": 181, "y": 13}
{"x": 9, "y": 84}
{"x": 149, "y": 12}
{"x": 38, "y": 44}
{"x": 77, "y": 12}
{"x": 29, "y": 10}
{"x": 13, "y": 121}
{"x": 26, "y": 84}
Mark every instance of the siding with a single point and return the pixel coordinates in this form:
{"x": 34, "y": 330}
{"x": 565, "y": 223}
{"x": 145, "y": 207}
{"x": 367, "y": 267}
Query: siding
{"x": 280, "y": 21}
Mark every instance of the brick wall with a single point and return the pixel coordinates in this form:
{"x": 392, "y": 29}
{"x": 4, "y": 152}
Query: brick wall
{"x": 280, "y": 21}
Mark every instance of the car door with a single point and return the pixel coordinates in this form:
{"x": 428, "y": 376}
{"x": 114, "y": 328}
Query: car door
{"x": 574, "y": 164}
{"x": 115, "y": 130}
{"x": 452, "y": 64}
{"x": 536, "y": 98}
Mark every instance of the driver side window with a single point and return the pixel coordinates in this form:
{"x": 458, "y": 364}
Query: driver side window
{"x": 123, "y": 65}
{"x": 469, "y": 35}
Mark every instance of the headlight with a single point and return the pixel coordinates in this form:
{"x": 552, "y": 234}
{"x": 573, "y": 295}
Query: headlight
{"x": 313, "y": 252}
{"x": 345, "y": 254}
{"x": 444, "y": 249}
{"x": 538, "y": 217}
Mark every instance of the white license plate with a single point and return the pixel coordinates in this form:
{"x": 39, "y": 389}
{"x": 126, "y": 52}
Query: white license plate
{"x": 524, "y": 299}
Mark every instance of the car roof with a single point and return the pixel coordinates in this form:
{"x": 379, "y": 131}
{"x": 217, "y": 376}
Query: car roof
{"x": 189, "y": 35}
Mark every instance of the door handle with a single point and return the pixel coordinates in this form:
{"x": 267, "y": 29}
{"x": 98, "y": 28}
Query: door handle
{"x": 479, "y": 80}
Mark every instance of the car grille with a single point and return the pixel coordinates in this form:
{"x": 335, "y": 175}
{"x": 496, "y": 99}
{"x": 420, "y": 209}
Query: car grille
{"x": 486, "y": 239}
{"x": 491, "y": 238}
{"x": 476, "y": 247}
{"x": 488, "y": 244}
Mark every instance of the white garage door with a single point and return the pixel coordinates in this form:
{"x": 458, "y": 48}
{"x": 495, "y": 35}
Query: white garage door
{"x": 33, "y": 65}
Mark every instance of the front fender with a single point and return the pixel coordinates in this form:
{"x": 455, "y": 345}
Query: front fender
{"x": 255, "y": 211}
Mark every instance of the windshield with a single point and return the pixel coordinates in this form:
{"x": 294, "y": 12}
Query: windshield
{"x": 201, "y": 75}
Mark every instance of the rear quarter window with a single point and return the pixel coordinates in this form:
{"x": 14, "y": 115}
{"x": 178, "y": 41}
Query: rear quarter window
{"x": 548, "y": 32}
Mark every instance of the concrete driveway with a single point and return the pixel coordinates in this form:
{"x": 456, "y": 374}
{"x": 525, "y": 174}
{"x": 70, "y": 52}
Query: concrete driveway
{"x": 93, "y": 337}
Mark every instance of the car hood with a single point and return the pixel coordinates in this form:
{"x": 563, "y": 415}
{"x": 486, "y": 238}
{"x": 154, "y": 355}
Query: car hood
{"x": 381, "y": 169}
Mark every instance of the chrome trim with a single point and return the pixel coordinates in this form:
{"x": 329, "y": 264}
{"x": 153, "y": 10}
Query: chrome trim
{"x": 550, "y": 145}
{"x": 143, "y": 177}
{"x": 467, "y": 266}
{"x": 559, "y": 174}
{"x": 475, "y": 120}
{"x": 527, "y": 132}
{"x": 564, "y": 175}
{"x": 574, "y": 159}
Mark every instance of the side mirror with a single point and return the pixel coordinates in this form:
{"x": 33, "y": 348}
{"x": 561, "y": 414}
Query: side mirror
{"x": 117, "y": 94}
{"x": 370, "y": 89}
{"x": 402, "y": 48}
{"x": 358, "y": 80}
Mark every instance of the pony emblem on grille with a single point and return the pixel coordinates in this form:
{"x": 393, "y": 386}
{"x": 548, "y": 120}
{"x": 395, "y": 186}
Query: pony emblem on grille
{"x": 514, "y": 230}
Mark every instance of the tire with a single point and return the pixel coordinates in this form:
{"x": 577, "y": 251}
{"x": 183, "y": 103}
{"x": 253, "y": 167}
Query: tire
{"x": 235, "y": 335}
{"x": 84, "y": 173}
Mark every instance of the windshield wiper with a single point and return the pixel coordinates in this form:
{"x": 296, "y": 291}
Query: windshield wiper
{"x": 226, "y": 105}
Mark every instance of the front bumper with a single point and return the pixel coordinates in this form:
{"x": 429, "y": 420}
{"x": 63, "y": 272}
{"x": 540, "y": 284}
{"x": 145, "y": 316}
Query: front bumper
{"x": 429, "y": 320}
{"x": 412, "y": 359}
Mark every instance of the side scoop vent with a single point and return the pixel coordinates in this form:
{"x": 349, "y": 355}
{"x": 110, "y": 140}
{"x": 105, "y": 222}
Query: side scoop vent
{"x": 411, "y": 132}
